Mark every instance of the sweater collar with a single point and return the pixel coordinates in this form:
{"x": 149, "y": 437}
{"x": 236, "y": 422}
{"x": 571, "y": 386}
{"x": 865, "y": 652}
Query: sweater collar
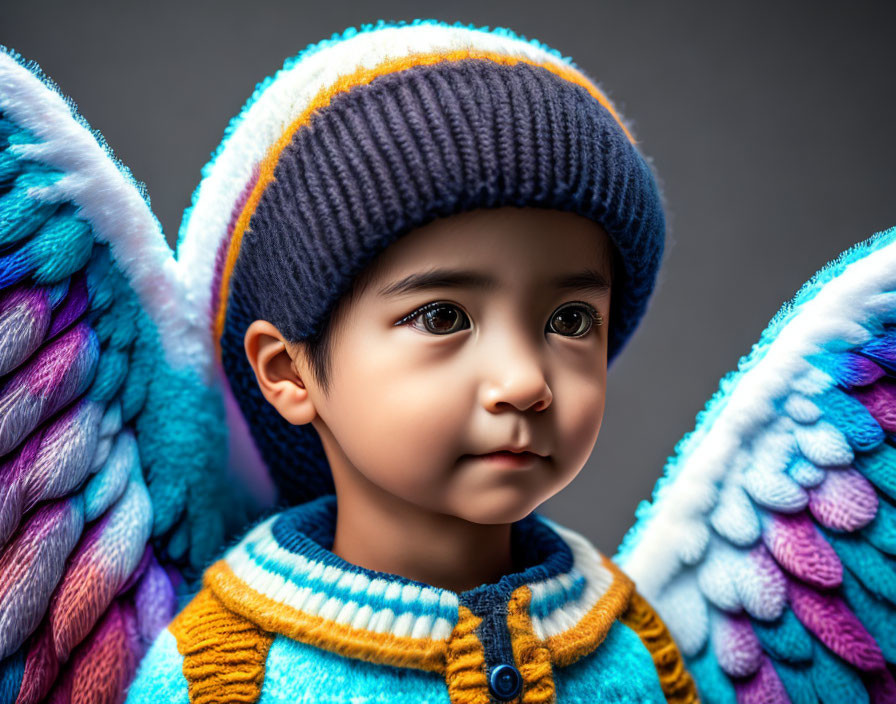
{"x": 283, "y": 576}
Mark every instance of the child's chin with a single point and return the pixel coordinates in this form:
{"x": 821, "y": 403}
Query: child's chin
{"x": 499, "y": 511}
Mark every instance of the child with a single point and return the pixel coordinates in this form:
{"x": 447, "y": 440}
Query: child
{"x": 435, "y": 240}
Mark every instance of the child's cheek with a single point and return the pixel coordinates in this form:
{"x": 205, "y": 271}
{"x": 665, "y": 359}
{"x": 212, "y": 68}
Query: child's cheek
{"x": 403, "y": 429}
{"x": 579, "y": 413}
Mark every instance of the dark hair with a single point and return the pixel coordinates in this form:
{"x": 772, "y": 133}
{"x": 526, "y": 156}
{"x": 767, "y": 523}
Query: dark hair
{"x": 317, "y": 348}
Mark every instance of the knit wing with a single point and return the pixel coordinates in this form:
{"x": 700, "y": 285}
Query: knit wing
{"x": 770, "y": 546}
{"x": 111, "y": 433}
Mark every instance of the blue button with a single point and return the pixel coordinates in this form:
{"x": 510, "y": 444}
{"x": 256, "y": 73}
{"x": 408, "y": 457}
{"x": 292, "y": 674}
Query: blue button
{"x": 505, "y": 682}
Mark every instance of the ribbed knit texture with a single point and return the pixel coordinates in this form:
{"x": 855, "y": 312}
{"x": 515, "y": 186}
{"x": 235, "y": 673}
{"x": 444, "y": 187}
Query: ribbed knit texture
{"x": 676, "y": 681}
{"x": 281, "y": 618}
{"x": 411, "y": 146}
{"x": 223, "y": 653}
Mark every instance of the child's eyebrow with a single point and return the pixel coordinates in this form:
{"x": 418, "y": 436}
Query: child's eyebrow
{"x": 585, "y": 281}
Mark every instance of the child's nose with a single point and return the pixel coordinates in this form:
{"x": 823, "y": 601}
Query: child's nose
{"x": 515, "y": 378}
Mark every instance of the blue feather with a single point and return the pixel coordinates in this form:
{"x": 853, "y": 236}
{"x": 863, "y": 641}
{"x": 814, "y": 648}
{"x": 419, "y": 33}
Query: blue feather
{"x": 852, "y": 419}
{"x": 13, "y": 268}
{"x": 99, "y": 286}
{"x": 12, "y": 670}
{"x": 713, "y": 685}
{"x": 797, "y": 681}
{"x": 882, "y": 350}
{"x": 57, "y": 292}
{"x": 106, "y": 486}
{"x": 7, "y": 128}
{"x": 835, "y": 682}
{"x": 9, "y": 168}
{"x": 179, "y": 542}
{"x": 20, "y": 213}
{"x": 879, "y": 468}
{"x": 61, "y": 247}
{"x": 844, "y": 368}
{"x": 875, "y": 614}
{"x": 806, "y": 474}
{"x": 881, "y": 532}
{"x": 111, "y": 372}
{"x": 785, "y": 639}
{"x": 140, "y": 370}
{"x": 873, "y": 569}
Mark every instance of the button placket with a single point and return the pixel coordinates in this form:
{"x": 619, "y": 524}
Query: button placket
{"x": 494, "y": 656}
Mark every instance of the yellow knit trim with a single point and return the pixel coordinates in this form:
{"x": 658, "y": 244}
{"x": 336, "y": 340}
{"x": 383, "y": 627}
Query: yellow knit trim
{"x": 590, "y": 631}
{"x": 533, "y": 659}
{"x": 341, "y": 638}
{"x": 344, "y": 84}
{"x": 677, "y": 683}
{"x": 224, "y": 654}
{"x": 465, "y": 671}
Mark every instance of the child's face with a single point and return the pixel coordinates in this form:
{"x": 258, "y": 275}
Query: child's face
{"x": 413, "y": 400}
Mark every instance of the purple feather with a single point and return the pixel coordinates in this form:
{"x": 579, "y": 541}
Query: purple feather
{"x": 109, "y": 551}
{"x": 765, "y": 687}
{"x": 881, "y": 687}
{"x": 72, "y": 308}
{"x": 736, "y": 646}
{"x": 138, "y": 571}
{"x": 51, "y": 374}
{"x": 802, "y": 550}
{"x": 844, "y": 501}
{"x": 102, "y": 667}
{"x": 24, "y": 319}
{"x": 856, "y": 370}
{"x": 880, "y": 400}
{"x": 53, "y": 462}
{"x": 882, "y": 349}
{"x": 763, "y": 590}
{"x": 12, "y": 488}
{"x": 155, "y": 601}
{"x": 829, "y": 618}
{"x": 56, "y": 375}
{"x": 31, "y": 567}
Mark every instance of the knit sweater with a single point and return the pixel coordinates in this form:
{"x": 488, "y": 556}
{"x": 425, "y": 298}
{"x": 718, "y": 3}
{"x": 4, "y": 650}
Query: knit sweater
{"x": 280, "y": 618}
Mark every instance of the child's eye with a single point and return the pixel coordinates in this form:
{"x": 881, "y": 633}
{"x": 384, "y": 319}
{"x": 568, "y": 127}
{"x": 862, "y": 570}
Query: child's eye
{"x": 574, "y": 320}
{"x": 439, "y": 318}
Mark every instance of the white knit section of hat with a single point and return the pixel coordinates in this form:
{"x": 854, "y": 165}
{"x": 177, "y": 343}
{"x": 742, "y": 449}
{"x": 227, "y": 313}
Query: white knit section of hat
{"x": 358, "y": 613}
{"x": 588, "y": 561}
{"x": 282, "y": 102}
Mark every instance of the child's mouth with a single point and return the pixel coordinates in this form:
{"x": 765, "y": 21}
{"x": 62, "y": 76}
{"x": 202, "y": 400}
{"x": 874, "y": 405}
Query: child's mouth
{"x": 505, "y": 458}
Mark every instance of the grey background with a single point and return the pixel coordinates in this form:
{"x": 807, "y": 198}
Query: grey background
{"x": 771, "y": 125}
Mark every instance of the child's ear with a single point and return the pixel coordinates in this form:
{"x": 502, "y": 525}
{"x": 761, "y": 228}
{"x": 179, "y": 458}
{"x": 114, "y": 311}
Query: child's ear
{"x": 277, "y": 375}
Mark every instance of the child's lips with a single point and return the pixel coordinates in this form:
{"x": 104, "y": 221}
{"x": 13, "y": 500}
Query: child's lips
{"x": 505, "y": 458}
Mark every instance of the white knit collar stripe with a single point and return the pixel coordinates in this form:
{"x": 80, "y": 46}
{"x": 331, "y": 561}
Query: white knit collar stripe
{"x": 319, "y": 584}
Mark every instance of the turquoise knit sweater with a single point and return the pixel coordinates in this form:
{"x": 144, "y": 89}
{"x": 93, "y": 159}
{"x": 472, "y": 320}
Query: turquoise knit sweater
{"x": 280, "y": 618}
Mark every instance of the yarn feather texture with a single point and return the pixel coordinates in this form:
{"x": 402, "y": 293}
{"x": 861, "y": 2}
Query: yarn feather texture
{"x": 769, "y": 548}
{"x": 112, "y": 427}
{"x": 118, "y": 432}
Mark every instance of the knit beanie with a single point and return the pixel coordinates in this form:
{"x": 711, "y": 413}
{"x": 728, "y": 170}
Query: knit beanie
{"x": 372, "y": 133}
